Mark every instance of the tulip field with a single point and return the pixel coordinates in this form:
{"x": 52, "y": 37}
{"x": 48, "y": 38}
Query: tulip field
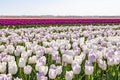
{"x": 60, "y": 53}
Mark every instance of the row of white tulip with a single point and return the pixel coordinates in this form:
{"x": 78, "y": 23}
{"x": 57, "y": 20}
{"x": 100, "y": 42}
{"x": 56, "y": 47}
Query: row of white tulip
{"x": 60, "y": 53}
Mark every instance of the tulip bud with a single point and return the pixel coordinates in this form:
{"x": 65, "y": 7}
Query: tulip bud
{"x": 17, "y": 53}
{"x": 89, "y": 70}
{"x": 12, "y": 67}
{"x": 59, "y": 70}
{"x": 32, "y": 60}
{"x": 43, "y": 69}
{"x": 27, "y": 69}
{"x": 2, "y": 47}
{"x": 76, "y": 67}
{"x": 10, "y": 58}
{"x": 42, "y": 60}
{"x": 10, "y": 49}
{"x": 17, "y": 78}
{"x": 102, "y": 64}
{"x": 52, "y": 73}
{"x": 2, "y": 67}
{"x": 69, "y": 75}
{"x": 54, "y": 56}
{"x": 24, "y": 55}
{"x": 92, "y": 57}
{"x": 78, "y": 59}
{"x": 29, "y": 52}
{"x": 22, "y": 62}
{"x": 67, "y": 58}
{"x": 37, "y": 66}
{"x": 110, "y": 61}
{"x": 116, "y": 60}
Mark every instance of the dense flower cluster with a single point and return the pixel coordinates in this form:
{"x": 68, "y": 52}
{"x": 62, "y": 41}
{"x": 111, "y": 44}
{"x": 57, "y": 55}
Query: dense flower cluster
{"x": 60, "y": 53}
{"x": 57, "y": 21}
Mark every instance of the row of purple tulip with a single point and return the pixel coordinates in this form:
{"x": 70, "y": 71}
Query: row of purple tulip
{"x": 55, "y": 21}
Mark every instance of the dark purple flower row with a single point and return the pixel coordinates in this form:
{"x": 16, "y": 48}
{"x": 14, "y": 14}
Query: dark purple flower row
{"x": 55, "y": 21}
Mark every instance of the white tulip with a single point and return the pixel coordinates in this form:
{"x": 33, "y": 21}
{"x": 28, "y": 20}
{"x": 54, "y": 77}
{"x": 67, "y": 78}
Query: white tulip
{"x": 2, "y": 47}
{"x": 52, "y": 73}
{"x": 17, "y": 78}
{"x": 27, "y": 69}
{"x": 78, "y": 59}
{"x": 82, "y": 41}
{"x": 49, "y": 50}
{"x": 29, "y": 52}
{"x": 28, "y": 45}
{"x": 24, "y": 55}
{"x": 59, "y": 70}
{"x": 32, "y": 60}
{"x": 17, "y": 53}
{"x": 37, "y": 66}
{"x": 10, "y": 49}
{"x": 42, "y": 60}
{"x": 110, "y": 61}
{"x": 20, "y": 48}
{"x": 116, "y": 60}
{"x": 76, "y": 67}
{"x": 45, "y": 43}
{"x": 10, "y": 58}
{"x": 43, "y": 69}
{"x": 89, "y": 70}
{"x": 22, "y": 62}
{"x": 69, "y": 75}
{"x": 3, "y": 67}
{"x": 102, "y": 64}
{"x": 12, "y": 67}
{"x": 67, "y": 58}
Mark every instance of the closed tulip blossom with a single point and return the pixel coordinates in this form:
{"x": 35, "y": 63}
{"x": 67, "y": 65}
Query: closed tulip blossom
{"x": 92, "y": 57}
{"x": 69, "y": 75}
{"x": 24, "y": 55}
{"x": 78, "y": 59}
{"x": 54, "y": 56}
{"x": 32, "y": 60}
{"x": 59, "y": 70}
{"x": 10, "y": 49}
{"x": 116, "y": 60}
{"x": 42, "y": 60}
{"x": 10, "y": 58}
{"x": 88, "y": 67}
{"x": 76, "y": 67}
{"x": 37, "y": 66}
{"x": 22, "y": 62}
{"x": 12, "y": 67}
{"x": 39, "y": 75}
{"x": 52, "y": 73}
{"x": 27, "y": 69}
{"x": 110, "y": 61}
{"x": 53, "y": 66}
{"x": 67, "y": 58}
{"x": 58, "y": 60}
{"x": 102, "y": 64}
{"x": 17, "y": 53}
{"x": 5, "y": 77}
{"x": 2, "y": 47}
{"x": 89, "y": 70}
{"x": 17, "y": 78}
{"x": 3, "y": 67}
{"x": 29, "y": 52}
{"x": 43, "y": 69}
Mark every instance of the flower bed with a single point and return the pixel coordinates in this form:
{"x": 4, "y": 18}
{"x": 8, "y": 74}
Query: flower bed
{"x": 60, "y": 53}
